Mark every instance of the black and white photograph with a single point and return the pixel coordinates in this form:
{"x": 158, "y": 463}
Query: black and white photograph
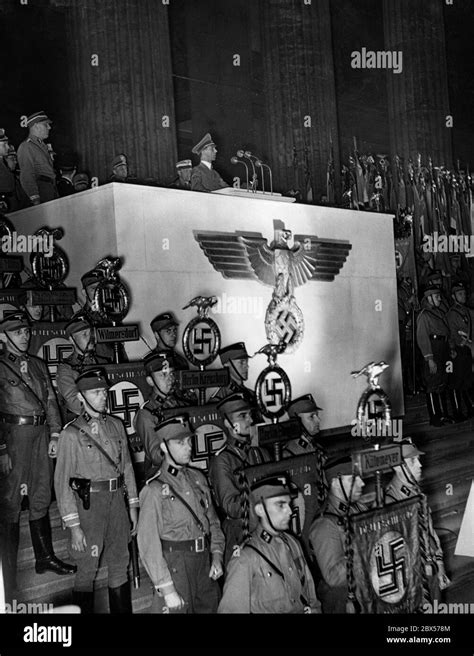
{"x": 236, "y": 325}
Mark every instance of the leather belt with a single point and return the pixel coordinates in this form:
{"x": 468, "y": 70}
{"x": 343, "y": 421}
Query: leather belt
{"x": 19, "y": 420}
{"x": 440, "y": 337}
{"x": 111, "y": 485}
{"x": 45, "y": 178}
{"x": 199, "y": 545}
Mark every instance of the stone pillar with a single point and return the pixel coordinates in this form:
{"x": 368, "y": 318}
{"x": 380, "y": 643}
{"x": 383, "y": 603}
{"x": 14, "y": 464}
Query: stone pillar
{"x": 299, "y": 82}
{"x": 121, "y": 86}
{"x": 418, "y": 101}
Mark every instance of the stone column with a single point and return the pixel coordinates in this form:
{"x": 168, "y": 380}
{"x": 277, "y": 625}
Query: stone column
{"x": 299, "y": 87}
{"x": 121, "y": 86}
{"x": 418, "y": 101}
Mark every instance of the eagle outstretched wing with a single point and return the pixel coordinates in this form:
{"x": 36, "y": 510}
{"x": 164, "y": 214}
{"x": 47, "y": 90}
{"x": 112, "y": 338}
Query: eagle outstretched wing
{"x": 243, "y": 255}
{"x": 318, "y": 259}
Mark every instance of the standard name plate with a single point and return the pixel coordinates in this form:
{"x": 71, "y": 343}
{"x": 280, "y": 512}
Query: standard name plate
{"x": 203, "y": 379}
{"x": 127, "y": 333}
{"x": 370, "y": 461}
{"x": 51, "y": 296}
{"x": 284, "y": 431}
{"x": 11, "y": 264}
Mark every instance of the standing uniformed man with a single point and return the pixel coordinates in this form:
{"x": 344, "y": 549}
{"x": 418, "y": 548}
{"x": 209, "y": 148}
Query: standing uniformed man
{"x": 460, "y": 330}
{"x": 269, "y": 573}
{"x": 307, "y": 411}
{"x": 93, "y": 471}
{"x": 203, "y": 176}
{"x": 404, "y": 485}
{"x": 160, "y": 376}
{"x": 165, "y": 330}
{"x": 434, "y": 280}
{"x": 180, "y": 539}
{"x": 29, "y": 430}
{"x": 236, "y": 359}
{"x": 90, "y": 281}
{"x": 12, "y": 195}
{"x": 236, "y": 454}
{"x": 37, "y": 174}
{"x": 327, "y": 536}
{"x": 79, "y": 332}
{"x": 434, "y": 342}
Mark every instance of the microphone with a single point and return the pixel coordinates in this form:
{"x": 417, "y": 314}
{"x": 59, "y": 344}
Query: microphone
{"x": 261, "y": 164}
{"x": 234, "y": 160}
{"x": 248, "y": 155}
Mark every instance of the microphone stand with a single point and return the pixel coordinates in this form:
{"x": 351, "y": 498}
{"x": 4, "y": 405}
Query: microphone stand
{"x": 234, "y": 160}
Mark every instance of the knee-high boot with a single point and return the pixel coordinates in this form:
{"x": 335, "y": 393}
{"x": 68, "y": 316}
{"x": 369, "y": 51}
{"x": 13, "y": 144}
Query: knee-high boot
{"x": 40, "y": 530}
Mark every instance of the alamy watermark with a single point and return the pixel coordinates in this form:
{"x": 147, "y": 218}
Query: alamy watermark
{"x": 16, "y": 243}
{"x": 239, "y": 305}
{"x": 378, "y": 59}
{"x": 20, "y": 608}
{"x": 437, "y": 243}
{"x": 377, "y": 428}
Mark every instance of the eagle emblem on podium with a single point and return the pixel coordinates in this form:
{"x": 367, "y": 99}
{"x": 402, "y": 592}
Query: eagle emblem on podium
{"x": 289, "y": 261}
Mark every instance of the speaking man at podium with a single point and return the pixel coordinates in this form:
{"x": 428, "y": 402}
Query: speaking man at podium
{"x": 203, "y": 176}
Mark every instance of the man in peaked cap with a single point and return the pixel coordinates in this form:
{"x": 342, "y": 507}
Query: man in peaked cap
{"x": 80, "y": 333}
{"x": 67, "y": 164}
{"x": 93, "y": 467}
{"x": 405, "y": 484}
{"x": 37, "y": 174}
{"x": 119, "y": 169}
{"x": 29, "y": 428}
{"x": 460, "y": 330}
{"x": 12, "y": 194}
{"x": 306, "y": 410}
{"x": 203, "y": 176}
{"x": 160, "y": 375}
{"x": 165, "y": 330}
{"x": 183, "y": 170}
{"x": 269, "y": 573}
{"x": 180, "y": 540}
{"x": 437, "y": 348}
{"x": 236, "y": 359}
{"x": 236, "y": 453}
{"x": 327, "y": 537}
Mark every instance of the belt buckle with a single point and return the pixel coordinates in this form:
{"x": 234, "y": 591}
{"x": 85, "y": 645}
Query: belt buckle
{"x": 36, "y": 419}
{"x": 113, "y": 484}
{"x": 200, "y": 544}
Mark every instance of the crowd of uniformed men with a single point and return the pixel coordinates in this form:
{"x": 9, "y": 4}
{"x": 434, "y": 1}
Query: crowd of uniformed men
{"x": 36, "y": 174}
{"x": 190, "y": 527}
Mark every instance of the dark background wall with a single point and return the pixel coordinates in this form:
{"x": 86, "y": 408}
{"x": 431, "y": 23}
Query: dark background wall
{"x": 178, "y": 61}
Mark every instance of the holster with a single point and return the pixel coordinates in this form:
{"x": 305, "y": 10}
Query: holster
{"x": 83, "y": 488}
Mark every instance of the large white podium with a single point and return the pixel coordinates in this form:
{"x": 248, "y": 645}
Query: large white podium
{"x": 348, "y": 322}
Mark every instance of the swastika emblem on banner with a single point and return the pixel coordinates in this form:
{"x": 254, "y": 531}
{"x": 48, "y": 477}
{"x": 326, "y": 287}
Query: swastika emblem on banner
{"x": 286, "y": 326}
{"x": 124, "y": 400}
{"x": 53, "y": 352}
{"x": 207, "y": 440}
{"x": 201, "y": 341}
{"x": 388, "y": 564}
{"x": 273, "y": 391}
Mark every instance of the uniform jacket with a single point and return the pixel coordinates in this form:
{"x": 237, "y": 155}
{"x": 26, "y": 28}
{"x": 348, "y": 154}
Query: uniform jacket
{"x": 34, "y": 160}
{"x": 145, "y": 422}
{"x": 68, "y": 372}
{"x": 459, "y": 318}
{"x": 15, "y": 399}
{"x": 11, "y": 187}
{"x": 205, "y": 179}
{"x": 430, "y": 321}
{"x": 164, "y": 517}
{"x": 78, "y": 457}
{"x": 252, "y": 585}
{"x": 223, "y": 479}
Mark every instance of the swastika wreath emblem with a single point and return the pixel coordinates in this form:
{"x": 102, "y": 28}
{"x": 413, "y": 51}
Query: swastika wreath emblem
{"x": 389, "y": 562}
{"x": 201, "y": 341}
{"x": 284, "y": 322}
{"x": 273, "y": 390}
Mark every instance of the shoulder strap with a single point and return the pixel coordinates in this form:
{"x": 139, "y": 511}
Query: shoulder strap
{"x": 200, "y": 525}
{"x": 25, "y": 385}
